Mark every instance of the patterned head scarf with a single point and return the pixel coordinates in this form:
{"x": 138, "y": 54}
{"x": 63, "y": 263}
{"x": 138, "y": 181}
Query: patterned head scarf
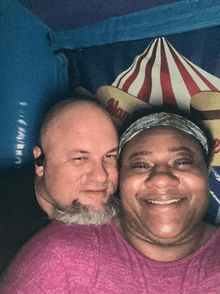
{"x": 163, "y": 119}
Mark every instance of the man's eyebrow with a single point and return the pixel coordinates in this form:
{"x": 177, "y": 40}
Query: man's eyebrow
{"x": 113, "y": 150}
{"x": 75, "y": 151}
{"x": 79, "y": 151}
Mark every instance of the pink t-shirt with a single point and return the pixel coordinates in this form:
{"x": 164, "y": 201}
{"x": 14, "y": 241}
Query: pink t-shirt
{"x": 98, "y": 260}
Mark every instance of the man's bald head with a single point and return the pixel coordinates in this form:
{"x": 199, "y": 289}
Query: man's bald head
{"x": 79, "y": 106}
{"x": 79, "y": 142}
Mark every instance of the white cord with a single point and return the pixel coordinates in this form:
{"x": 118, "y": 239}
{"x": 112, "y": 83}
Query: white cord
{"x": 215, "y": 197}
{"x": 217, "y": 176}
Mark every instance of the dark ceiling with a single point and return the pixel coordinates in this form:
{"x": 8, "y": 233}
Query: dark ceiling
{"x": 69, "y": 14}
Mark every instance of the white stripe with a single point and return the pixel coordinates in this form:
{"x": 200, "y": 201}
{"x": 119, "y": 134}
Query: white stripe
{"x": 129, "y": 71}
{"x": 212, "y": 79}
{"x": 135, "y": 87}
{"x": 119, "y": 76}
{"x": 202, "y": 86}
{"x": 180, "y": 91}
{"x": 126, "y": 73}
{"x": 156, "y": 96}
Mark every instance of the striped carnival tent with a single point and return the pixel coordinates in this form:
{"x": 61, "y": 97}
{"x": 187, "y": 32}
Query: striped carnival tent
{"x": 162, "y": 76}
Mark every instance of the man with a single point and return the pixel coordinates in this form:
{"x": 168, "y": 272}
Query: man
{"x": 78, "y": 151}
{"x": 76, "y": 174}
{"x": 158, "y": 244}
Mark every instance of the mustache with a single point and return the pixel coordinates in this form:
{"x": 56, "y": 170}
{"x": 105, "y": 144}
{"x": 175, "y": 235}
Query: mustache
{"x": 97, "y": 186}
{"x": 94, "y": 186}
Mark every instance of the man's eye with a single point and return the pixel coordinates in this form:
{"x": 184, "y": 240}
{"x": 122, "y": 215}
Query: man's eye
{"x": 79, "y": 160}
{"x": 111, "y": 157}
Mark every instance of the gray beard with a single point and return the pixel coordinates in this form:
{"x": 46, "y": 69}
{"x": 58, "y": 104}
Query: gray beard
{"x": 86, "y": 215}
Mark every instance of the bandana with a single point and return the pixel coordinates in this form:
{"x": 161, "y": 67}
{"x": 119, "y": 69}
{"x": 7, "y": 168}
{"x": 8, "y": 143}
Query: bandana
{"x": 163, "y": 119}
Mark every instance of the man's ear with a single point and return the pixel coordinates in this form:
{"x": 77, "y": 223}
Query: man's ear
{"x": 39, "y": 160}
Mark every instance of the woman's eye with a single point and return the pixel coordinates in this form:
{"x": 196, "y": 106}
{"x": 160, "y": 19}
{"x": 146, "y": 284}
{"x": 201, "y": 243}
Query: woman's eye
{"x": 183, "y": 163}
{"x": 140, "y": 165}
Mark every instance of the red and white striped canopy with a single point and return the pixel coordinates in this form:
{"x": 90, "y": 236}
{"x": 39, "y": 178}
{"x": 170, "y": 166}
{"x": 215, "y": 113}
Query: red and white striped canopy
{"x": 162, "y": 76}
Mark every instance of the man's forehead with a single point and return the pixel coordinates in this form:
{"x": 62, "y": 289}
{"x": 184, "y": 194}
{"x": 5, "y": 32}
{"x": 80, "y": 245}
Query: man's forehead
{"x": 89, "y": 150}
{"x": 76, "y": 117}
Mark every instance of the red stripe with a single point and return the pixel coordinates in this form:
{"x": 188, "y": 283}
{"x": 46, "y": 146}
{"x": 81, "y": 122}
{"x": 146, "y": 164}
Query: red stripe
{"x": 131, "y": 79}
{"x": 144, "y": 93}
{"x": 191, "y": 85}
{"x": 167, "y": 90}
{"x": 209, "y": 85}
{"x": 117, "y": 86}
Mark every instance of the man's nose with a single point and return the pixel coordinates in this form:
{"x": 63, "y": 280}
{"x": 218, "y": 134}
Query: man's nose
{"x": 162, "y": 177}
{"x": 97, "y": 172}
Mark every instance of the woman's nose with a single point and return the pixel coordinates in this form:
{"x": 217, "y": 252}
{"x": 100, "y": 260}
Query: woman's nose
{"x": 162, "y": 177}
